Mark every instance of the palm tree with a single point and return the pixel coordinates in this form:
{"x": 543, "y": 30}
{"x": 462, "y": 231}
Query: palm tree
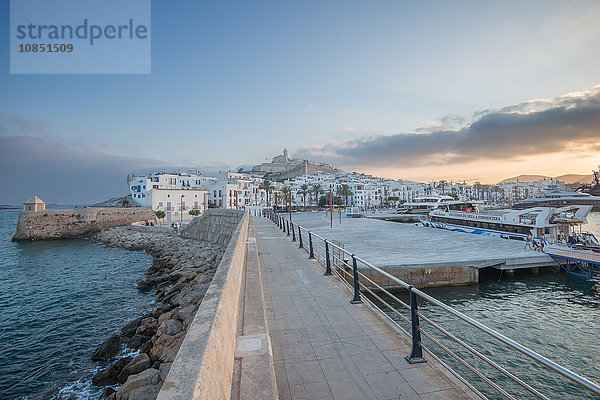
{"x": 344, "y": 191}
{"x": 304, "y": 191}
{"x": 285, "y": 192}
{"x": 442, "y": 184}
{"x": 316, "y": 189}
{"x": 267, "y": 187}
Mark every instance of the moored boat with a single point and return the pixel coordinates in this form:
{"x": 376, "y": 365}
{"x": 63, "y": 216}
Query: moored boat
{"x": 554, "y": 225}
{"x": 424, "y": 204}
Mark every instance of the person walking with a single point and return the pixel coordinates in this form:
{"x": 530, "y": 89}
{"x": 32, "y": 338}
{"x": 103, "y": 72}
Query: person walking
{"x": 528, "y": 241}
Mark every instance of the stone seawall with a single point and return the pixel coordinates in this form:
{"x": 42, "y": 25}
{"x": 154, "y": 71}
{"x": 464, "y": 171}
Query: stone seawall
{"x": 203, "y": 368}
{"x": 215, "y": 226}
{"x": 75, "y": 223}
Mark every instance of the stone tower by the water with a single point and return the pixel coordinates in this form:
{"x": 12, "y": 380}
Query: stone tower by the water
{"x": 34, "y": 204}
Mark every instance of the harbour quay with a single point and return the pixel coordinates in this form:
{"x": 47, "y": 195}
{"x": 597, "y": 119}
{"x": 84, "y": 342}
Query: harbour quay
{"x": 421, "y": 256}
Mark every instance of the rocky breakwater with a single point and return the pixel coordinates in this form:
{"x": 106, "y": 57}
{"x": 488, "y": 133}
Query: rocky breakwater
{"x": 181, "y": 273}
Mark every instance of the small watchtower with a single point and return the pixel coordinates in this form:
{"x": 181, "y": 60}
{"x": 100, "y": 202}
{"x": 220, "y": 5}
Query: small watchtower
{"x": 34, "y": 204}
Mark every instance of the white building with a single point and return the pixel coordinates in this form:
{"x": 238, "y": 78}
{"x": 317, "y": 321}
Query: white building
{"x": 176, "y": 194}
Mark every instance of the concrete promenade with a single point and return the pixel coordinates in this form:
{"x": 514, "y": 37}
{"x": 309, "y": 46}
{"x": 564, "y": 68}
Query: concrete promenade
{"x": 326, "y": 348}
{"x": 387, "y": 243}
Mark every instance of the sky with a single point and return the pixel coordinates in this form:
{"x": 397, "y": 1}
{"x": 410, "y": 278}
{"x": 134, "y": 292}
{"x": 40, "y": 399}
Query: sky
{"x": 414, "y": 90}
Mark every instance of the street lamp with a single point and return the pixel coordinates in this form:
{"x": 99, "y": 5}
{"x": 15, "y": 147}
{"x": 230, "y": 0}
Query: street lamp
{"x": 181, "y": 208}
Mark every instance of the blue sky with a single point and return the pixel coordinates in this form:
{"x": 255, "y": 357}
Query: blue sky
{"x": 235, "y": 82}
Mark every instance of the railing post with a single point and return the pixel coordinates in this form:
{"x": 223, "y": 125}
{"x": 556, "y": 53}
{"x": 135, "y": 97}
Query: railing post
{"x": 311, "y": 253}
{"x": 300, "y": 236}
{"x": 327, "y": 262}
{"x": 356, "y": 299}
{"x": 293, "y": 232}
{"x": 416, "y": 353}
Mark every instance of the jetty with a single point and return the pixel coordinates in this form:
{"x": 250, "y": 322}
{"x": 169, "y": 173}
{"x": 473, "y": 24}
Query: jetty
{"x": 422, "y": 256}
{"x": 271, "y": 326}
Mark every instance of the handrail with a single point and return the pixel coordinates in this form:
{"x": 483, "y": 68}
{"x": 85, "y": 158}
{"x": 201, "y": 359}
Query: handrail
{"x": 563, "y": 371}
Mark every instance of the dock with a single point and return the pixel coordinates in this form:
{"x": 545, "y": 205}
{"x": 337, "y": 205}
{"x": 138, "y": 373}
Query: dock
{"x": 424, "y": 256}
{"x": 326, "y": 348}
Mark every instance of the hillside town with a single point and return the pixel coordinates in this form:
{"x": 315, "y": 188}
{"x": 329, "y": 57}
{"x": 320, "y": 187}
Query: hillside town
{"x": 181, "y": 195}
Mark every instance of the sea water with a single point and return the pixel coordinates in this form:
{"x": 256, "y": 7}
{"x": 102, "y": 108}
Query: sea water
{"x": 59, "y": 300}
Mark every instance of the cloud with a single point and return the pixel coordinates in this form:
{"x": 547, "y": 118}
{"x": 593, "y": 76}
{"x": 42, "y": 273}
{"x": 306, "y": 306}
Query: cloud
{"x": 34, "y": 163}
{"x": 531, "y": 128}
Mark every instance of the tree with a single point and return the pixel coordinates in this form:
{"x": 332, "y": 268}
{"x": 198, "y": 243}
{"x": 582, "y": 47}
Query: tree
{"x": 194, "y": 212}
{"x": 160, "y": 214}
{"x": 344, "y": 191}
{"x": 442, "y": 184}
{"x": 304, "y": 191}
{"x": 267, "y": 187}
{"x": 285, "y": 193}
{"x": 324, "y": 201}
{"x": 316, "y": 189}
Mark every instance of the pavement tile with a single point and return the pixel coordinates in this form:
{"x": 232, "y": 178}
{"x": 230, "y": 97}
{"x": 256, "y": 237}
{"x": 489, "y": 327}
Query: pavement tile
{"x": 390, "y": 385}
{"x": 425, "y": 380}
{"x": 359, "y": 344}
{"x": 299, "y": 373}
{"x": 298, "y": 352}
{"x": 292, "y": 336}
{"x": 372, "y": 363}
{"x": 355, "y": 388}
{"x": 339, "y": 368}
{"x": 324, "y": 351}
{"x": 311, "y": 391}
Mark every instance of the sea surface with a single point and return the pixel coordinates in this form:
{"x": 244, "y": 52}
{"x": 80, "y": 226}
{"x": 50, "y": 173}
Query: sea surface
{"x": 59, "y": 300}
{"x": 554, "y": 314}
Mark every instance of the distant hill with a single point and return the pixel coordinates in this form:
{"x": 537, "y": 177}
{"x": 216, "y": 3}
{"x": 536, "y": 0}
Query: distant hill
{"x": 124, "y": 201}
{"x": 567, "y": 178}
{"x": 574, "y": 178}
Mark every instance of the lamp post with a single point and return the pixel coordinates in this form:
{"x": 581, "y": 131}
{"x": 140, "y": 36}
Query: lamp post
{"x": 181, "y": 208}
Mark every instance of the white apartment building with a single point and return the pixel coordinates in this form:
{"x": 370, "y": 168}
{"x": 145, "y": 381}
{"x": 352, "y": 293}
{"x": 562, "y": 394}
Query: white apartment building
{"x": 175, "y": 194}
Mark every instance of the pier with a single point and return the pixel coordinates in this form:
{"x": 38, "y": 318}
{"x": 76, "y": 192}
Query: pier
{"x": 324, "y": 347}
{"x": 424, "y": 256}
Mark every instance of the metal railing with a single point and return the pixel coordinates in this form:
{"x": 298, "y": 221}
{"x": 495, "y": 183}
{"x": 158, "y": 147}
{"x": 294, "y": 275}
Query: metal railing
{"x": 345, "y": 265}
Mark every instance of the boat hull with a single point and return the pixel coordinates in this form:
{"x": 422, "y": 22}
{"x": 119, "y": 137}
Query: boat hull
{"x": 473, "y": 230}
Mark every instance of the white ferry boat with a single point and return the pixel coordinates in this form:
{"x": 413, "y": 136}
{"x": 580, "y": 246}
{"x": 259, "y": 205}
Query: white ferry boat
{"x": 557, "y": 198}
{"x": 424, "y": 204}
{"x": 556, "y": 224}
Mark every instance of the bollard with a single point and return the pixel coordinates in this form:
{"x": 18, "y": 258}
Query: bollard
{"x": 327, "y": 262}
{"x": 416, "y": 353}
{"x": 300, "y": 236}
{"x": 288, "y": 227}
{"x": 356, "y": 299}
{"x": 311, "y": 253}
{"x": 293, "y": 232}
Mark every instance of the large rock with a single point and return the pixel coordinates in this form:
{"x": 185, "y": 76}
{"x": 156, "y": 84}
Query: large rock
{"x": 137, "y": 341}
{"x": 145, "y": 378}
{"x": 108, "y": 376}
{"x": 148, "y": 327}
{"x": 165, "y": 348}
{"x": 186, "y": 312}
{"x": 107, "y": 350}
{"x": 145, "y": 392}
{"x": 170, "y": 327}
{"x": 129, "y": 329}
{"x": 140, "y": 363}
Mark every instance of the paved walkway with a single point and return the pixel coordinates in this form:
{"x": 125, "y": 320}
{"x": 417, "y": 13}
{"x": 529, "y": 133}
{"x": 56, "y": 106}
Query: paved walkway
{"x": 326, "y": 348}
